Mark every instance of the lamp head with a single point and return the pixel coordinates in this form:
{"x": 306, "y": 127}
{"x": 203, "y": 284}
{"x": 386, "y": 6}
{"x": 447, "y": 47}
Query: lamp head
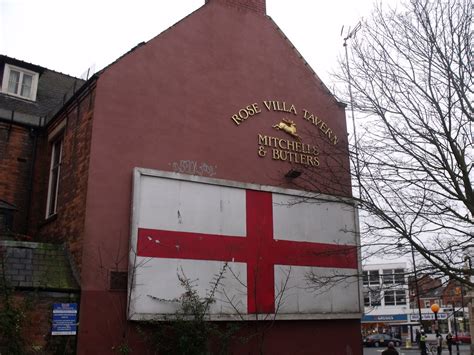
{"x": 435, "y": 308}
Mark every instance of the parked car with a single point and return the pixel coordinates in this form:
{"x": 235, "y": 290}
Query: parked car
{"x": 462, "y": 339}
{"x": 377, "y": 340}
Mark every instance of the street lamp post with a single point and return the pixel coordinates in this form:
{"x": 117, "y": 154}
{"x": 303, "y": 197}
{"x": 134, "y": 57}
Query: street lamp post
{"x": 462, "y": 305}
{"x": 455, "y": 330}
{"x": 435, "y": 309}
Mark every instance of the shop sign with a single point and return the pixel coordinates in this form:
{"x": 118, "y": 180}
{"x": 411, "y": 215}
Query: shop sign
{"x": 385, "y": 318}
{"x": 428, "y": 316}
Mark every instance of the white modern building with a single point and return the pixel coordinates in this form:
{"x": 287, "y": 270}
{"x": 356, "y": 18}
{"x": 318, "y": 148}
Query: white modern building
{"x": 385, "y": 288}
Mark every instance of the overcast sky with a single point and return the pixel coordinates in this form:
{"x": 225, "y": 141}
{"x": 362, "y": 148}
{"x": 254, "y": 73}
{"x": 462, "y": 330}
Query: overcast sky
{"x": 70, "y": 36}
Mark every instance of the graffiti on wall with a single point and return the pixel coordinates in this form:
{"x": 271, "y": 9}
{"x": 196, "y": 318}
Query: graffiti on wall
{"x": 193, "y": 167}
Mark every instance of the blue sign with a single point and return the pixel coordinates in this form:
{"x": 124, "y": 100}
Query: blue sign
{"x": 385, "y": 318}
{"x": 64, "y": 319}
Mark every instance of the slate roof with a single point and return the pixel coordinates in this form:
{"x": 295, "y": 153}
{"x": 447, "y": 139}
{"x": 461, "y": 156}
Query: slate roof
{"x": 4, "y": 205}
{"x": 54, "y": 89}
{"x": 42, "y": 266}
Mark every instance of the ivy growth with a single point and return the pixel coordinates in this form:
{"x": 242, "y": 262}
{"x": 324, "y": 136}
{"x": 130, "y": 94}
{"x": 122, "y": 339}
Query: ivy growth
{"x": 12, "y": 316}
{"x": 188, "y": 331}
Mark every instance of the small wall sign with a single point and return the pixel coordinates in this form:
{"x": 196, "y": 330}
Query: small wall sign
{"x": 64, "y": 319}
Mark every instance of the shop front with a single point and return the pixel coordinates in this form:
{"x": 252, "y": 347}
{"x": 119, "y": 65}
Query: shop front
{"x": 393, "y": 324}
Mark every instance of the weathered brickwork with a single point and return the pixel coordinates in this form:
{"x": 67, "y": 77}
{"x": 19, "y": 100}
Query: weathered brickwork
{"x": 37, "y": 323}
{"x": 68, "y": 224}
{"x": 34, "y": 276}
{"x": 16, "y": 159}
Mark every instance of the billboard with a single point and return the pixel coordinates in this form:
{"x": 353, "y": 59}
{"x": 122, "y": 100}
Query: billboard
{"x": 259, "y": 250}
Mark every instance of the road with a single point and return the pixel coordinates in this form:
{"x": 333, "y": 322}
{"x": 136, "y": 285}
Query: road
{"x": 463, "y": 350}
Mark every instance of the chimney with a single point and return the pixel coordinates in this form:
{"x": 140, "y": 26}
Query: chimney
{"x": 257, "y": 6}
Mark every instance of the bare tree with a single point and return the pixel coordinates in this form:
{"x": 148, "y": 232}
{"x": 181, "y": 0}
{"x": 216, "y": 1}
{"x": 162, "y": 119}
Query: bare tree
{"x": 411, "y": 79}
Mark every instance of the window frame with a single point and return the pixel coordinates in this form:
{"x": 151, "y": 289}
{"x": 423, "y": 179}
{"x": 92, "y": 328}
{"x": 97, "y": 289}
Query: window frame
{"x": 399, "y": 276}
{"x": 366, "y": 298}
{"x": 398, "y": 296}
{"x": 376, "y": 298}
{"x": 372, "y": 297}
{"x": 387, "y": 277}
{"x": 6, "y": 78}
{"x": 374, "y": 277}
{"x": 393, "y": 276}
{"x": 365, "y": 278}
{"x": 389, "y": 298}
{"x": 56, "y": 143}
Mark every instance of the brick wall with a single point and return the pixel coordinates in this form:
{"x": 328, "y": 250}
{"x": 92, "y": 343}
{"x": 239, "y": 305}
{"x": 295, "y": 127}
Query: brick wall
{"x": 452, "y": 294}
{"x": 16, "y": 158}
{"x": 37, "y": 322}
{"x": 27, "y": 270}
{"x": 249, "y": 5}
{"x": 68, "y": 224}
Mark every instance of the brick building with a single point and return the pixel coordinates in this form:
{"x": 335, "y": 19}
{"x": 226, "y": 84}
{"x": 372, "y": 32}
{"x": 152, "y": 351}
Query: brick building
{"x": 40, "y": 274}
{"x": 30, "y": 96}
{"x": 218, "y": 95}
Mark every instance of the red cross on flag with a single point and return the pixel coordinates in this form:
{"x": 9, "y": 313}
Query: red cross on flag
{"x": 266, "y": 241}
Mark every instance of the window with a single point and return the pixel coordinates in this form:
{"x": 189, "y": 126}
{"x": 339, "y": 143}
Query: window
{"x": 400, "y": 297}
{"x": 374, "y": 277}
{"x": 370, "y": 277}
{"x": 387, "y": 277}
{"x": 365, "y": 277}
{"x": 366, "y": 298}
{"x": 399, "y": 276}
{"x": 56, "y": 155}
{"x": 19, "y": 82}
{"x": 389, "y": 298}
{"x": 372, "y": 298}
{"x": 375, "y": 298}
{"x": 395, "y": 297}
{"x": 393, "y": 276}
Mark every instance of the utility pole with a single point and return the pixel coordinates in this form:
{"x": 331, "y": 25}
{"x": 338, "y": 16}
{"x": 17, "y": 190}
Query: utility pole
{"x": 351, "y": 34}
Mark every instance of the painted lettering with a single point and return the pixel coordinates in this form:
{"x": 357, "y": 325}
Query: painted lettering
{"x": 262, "y": 140}
{"x": 256, "y": 108}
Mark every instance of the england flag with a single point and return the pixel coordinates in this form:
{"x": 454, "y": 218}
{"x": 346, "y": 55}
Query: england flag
{"x": 257, "y": 251}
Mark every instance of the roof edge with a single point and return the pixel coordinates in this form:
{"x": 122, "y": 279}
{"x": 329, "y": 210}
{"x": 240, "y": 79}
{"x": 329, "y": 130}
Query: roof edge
{"x": 315, "y": 76}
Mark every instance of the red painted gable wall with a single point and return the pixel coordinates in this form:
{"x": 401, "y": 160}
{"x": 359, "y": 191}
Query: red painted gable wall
{"x": 172, "y": 100}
